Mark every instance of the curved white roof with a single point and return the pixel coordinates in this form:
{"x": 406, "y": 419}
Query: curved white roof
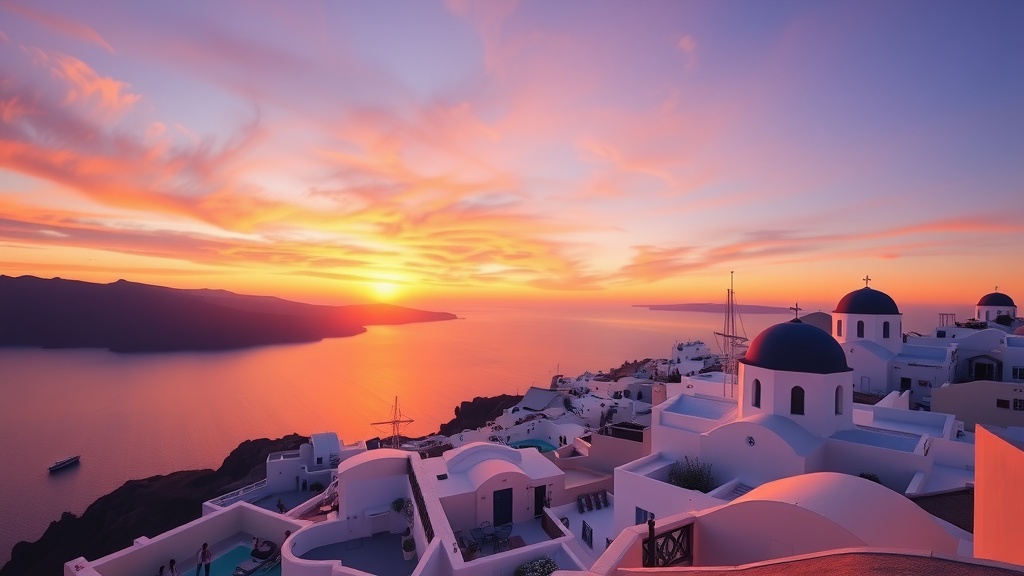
{"x": 874, "y": 514}
{"x": 465, "y": 457}
{"x": 400, "y": 457}
{"x": 484, "y": 471}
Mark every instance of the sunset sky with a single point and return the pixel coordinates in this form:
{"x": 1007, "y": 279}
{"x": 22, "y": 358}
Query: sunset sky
{"x": 430, "y": 152}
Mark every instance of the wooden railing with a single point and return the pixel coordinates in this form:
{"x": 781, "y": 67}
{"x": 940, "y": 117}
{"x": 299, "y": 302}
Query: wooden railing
{"x": 671, "y": 548}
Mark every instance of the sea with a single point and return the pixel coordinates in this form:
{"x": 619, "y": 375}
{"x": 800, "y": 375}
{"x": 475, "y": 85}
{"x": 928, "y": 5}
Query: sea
{"x": 134, "y": 416}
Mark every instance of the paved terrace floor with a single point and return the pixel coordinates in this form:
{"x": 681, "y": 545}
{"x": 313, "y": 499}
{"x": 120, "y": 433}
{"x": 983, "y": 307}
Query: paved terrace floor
{"x": 378, "y": 554}
{"x": 531, "y": 532}
{"x": 602, "y": 522}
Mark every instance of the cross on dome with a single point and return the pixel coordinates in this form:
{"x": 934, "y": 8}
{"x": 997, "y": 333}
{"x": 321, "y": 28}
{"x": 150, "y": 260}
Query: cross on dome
{"x": 796, "y": 310}
{"x": 866, "y": 279}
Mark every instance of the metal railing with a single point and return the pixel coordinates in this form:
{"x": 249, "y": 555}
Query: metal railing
{"x": 222, "y": 500}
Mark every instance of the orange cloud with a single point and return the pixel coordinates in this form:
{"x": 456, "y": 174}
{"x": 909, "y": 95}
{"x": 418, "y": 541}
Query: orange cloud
{"x": 108, "y": 96}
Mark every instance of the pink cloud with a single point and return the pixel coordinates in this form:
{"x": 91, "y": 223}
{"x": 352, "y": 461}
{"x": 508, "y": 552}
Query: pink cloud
{"x": 688, "y": 46}
{"x": 59, "y": 24}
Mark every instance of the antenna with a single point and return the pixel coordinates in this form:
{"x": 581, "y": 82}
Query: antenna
{"x": 396, "y": 423}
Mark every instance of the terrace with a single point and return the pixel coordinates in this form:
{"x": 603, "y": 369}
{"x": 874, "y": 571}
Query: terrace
{"x": 485, "y": 540}
{"x": 377, "y": 554}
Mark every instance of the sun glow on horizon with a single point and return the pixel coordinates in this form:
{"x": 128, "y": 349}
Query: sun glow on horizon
{"x": 385, "y": 291}
{"x": 515, "y": 152}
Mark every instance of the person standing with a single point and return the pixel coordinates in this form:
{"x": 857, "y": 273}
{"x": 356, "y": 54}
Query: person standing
{"x": 203, "y": 558}
{"x": 173, "y": 569}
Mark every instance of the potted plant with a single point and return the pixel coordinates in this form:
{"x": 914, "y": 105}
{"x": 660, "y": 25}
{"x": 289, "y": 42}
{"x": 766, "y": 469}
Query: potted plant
{"x": 401, "y": 515}
{"x": 409, "y": 548}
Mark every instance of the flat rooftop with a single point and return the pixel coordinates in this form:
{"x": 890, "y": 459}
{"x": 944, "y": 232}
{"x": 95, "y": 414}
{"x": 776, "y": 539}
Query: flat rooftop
{"x": 904, "y": 442}
{"x": 701, "y": 407}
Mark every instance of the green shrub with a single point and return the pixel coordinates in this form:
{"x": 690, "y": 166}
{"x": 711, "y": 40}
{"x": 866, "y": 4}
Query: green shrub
{"x": 692, "y": 475}
{"x": 316, "y": 487}
{"x": 539, "y": 567}
{"x": 409, "y": 545}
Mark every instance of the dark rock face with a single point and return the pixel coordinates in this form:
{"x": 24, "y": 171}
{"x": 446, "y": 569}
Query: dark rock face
{"x": 144, "y": 507}
{"x": 478, "y": 412}
{"x": 128, "y": 317}
{"x": 151, "y": 506}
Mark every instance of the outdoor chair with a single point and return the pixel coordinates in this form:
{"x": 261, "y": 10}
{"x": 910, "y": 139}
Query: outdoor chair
{"x": 478, "y": 535}
{"x": 501, "y": 534}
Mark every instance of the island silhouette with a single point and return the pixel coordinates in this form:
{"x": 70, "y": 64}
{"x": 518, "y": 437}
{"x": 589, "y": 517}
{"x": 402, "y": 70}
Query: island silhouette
{"x": 127, "y": 316}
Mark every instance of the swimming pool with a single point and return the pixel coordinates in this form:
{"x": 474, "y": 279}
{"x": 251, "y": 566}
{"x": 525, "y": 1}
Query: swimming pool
{"x": 533, "y": 443}
{"x": 224, "y": 565}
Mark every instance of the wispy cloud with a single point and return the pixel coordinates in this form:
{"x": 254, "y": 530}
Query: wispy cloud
{"x": 59, "y": 24}
{"x": 608, "y": 150}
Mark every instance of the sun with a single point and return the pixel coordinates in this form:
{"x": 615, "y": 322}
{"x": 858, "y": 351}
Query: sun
{"x": 384, "y": 290}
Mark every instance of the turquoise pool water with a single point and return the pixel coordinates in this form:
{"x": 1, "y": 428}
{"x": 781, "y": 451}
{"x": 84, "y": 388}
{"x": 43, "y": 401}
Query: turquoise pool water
{"x": 533, "y": 443}
{"x": 224, "y": 565}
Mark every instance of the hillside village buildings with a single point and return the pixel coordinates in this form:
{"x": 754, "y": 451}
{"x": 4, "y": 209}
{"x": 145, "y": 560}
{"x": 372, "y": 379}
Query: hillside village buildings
{"x": 797, "y": 470}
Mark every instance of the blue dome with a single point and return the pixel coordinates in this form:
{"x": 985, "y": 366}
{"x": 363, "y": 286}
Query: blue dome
{"x": 996, "y": 299}
{"x": 866, "y": 301}
{"x": 796, "y": 347}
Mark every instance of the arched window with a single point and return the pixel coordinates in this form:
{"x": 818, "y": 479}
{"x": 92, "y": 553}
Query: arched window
{"x": 839, "y": 399}
{"x": 860, "y": 328}
{"x": 755, "y": 398}
{"x": 839, "y": 328}
{"x": 796, "y": 400}
{"x": 885, "y": 329}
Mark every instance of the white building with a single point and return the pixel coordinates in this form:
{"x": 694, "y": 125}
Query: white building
{"x": 993, "y": 305}
{"x": 794, "y": 415}
{"x": 987, "y": 348}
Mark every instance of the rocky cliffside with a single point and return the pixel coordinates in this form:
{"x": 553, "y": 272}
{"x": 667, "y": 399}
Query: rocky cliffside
{"x": 144, "y": 507}
{"x": 477, "y": 412}
{"x": 155, "y": 505}
{"x": 130, "y": 317}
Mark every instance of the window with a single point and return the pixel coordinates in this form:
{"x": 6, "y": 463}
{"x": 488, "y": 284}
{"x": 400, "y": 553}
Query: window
{"x": 1000, "y": 403}
{"x": 940, "y": 333}
{"x": 904, "y": 384}
{"x": 796, "y": 400}
{"x": 839, "y": 399}
{"x": 588, "y": 534}
{"x": 1018, "y": 404}
{"x": 1018, "y": 372}
{"x": 642, "y": 515}
{"x": 885, "y": 329}
{"x": 755, "y": 398}
{"x": 924, "y": 383}
{"x": 839, "y": 328}
{"x": 860, "y": 328}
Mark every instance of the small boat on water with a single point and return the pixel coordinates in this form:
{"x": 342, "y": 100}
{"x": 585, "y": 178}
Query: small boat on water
{"x": 61, "y": 464}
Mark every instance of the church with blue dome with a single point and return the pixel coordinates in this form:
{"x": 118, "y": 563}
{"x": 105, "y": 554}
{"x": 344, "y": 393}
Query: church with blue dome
{"x": 791, "y": 412}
